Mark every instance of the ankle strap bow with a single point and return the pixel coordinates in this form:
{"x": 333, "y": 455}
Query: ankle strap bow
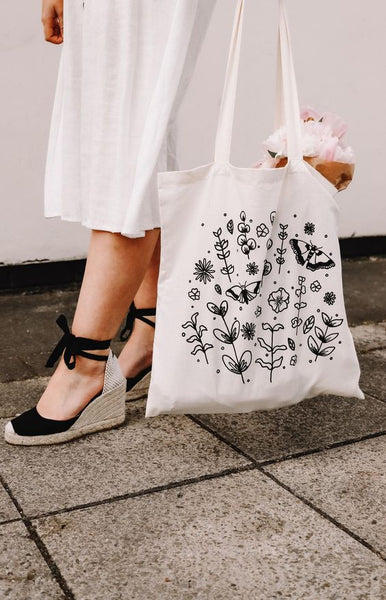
{"x": 136, "y": 313}
{"x": 73, "y": 345}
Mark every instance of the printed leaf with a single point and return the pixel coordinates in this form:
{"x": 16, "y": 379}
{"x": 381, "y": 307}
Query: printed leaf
{"x": 197, "y": 349}
{"x": 222, "y": 336}
{"x": 326, "y": 319}
{"x": 319, "y": 334}
{"x": 208, "y": 347}
{"x": 308, "y": 324}
{"x": 187, "y": 324}
{"x": 264, "y": 344}
{"x": 263, "y": 364}
{"x": 336, "y": 322}
{"x": 230, "y": 226}
{"x": 277, "y": 363}
{"x": 213, "y": 308}
{"x": 312, "y": 344}
{"x": 277, "y": 348}
{"x": 201, "y": 330}
{"x": 330, "y": 337}
{"x": 235, "y": 330}
{"x": 291, "y": 344}
{"x": 231, "y": 364}
{"x": 227, "y": 254}
{"x": 327, "y": 351}
{"x": 300, "y": 305}
{"x": 277, "y": 327}
{"x": 225, "y": 244}
{"x": 223, "y": 308}
{"x": 193, "y": 338}
{"x": 194, "y": 319}
{"x": 245, "y": 360}
{"x": 266, "y": 326}
{"x": 227, "y": 270}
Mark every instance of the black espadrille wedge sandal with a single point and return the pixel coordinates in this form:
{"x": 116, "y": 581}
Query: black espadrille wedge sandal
{"x": 137, "y": 386}
{"x": 105, "y": 410}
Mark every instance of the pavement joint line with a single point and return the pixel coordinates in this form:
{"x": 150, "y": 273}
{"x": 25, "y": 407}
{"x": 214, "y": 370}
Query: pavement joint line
{"x": 341, "y": 444}
{"x": 260, "y": 467}
{"x": 290, "y": 456}
{"x": 325, "y": 515}
{"x": 7, "y": 521}
{"x": 146, "y": 492}
{"x": 371, "y": 395}
{"x": 33, "y": 534}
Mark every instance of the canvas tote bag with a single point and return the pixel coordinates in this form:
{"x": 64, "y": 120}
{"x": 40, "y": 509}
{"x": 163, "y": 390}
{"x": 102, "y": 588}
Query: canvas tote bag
{"x": 250, "y": 309}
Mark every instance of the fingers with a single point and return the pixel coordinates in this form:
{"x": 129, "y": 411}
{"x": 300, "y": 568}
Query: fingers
{"x": 52, "y": 20}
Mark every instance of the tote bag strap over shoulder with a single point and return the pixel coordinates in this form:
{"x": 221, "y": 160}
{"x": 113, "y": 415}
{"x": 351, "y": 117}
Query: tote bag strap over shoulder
{"x": 287, "y": 101}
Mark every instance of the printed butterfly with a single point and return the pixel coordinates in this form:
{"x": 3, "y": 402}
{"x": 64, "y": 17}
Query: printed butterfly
{"x": 310, "y": 255}
{"x": 244, "y": 293}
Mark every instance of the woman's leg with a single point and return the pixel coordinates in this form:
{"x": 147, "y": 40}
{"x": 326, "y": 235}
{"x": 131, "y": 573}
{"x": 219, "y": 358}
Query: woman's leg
{"x": 137, "y": 353}
{"x": 115, "y": 268}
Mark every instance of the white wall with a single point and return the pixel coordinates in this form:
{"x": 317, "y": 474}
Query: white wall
{"x": 341, "y": 64}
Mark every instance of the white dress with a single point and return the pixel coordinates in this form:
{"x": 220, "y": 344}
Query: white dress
{"x": 124, "y": 69}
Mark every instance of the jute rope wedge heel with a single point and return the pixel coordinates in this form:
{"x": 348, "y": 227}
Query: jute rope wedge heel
{"x": 137, "y": 386}
{"x": 104, "y": 411}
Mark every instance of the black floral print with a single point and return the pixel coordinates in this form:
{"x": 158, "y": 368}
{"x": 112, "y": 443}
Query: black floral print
{"x": 309, "y": 228}
{"x": 248, "y": 331}
{"x": 204, "y": 270}
{"x": 329, "y": 298}
{"x": 252, "y": 268}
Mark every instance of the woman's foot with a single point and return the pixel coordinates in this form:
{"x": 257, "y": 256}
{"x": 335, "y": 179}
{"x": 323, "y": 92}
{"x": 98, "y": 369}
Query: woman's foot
{"x": 137, "y": 353}
{"x": 68, "y": 391}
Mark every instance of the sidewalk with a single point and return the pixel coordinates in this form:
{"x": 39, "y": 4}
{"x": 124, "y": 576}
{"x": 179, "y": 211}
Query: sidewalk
{"x": 286, "y": 504}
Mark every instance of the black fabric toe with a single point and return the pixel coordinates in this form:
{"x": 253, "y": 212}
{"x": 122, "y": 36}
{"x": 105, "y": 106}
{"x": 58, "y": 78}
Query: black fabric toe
{"x": 31, "y": 423}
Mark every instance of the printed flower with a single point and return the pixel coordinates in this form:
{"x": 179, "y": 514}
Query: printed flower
{"x": 309, "y": 228}
{"x": 258, "y": 311}
{"x": 262, "y": 230}
{"x": 243, "y": 228}
{"x": 204, "y": 270}
{"x": 278, "y": 300}
{"x": 194, "y": 294}
{"x": 329, "y": 298}
{"x": 315, "y": 286}
{"x": 246, "y": 245}
{"x": 248, "y": 331}
{"x": 252, "y": 268}
{"x": 293, "y": 360}
{"x": 296, "y": 322}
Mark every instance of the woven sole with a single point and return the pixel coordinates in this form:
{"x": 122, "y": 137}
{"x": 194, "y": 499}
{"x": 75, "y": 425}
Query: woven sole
{"x": 140, "y": 389}
{"x": 105, "y": 412}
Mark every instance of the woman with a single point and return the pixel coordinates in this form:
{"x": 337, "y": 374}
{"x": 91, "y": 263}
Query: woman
{"x": 123, "y": 72}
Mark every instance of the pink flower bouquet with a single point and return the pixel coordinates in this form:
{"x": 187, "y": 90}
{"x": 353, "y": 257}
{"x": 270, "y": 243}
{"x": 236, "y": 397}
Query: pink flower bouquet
{"x": 323, "y": 147}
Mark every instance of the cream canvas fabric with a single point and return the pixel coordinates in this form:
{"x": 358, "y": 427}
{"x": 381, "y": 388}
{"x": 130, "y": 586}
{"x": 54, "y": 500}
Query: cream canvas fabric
{"x": 250, "y": 312}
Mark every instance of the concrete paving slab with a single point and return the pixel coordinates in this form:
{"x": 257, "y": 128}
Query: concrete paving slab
{"x": 370, "y": 336}
{"x": 373, "y": 373}
{"x": 141, "y": 454}
{"x": 7, "y": 508}
{"x": 24, "y": 574}
{"x": 364, "y": 284}
{"x": 312, "y": 424}
{"x": 18, "y": 396}
{"x": 347, "y": 483}
{"x": 236, "y": 537}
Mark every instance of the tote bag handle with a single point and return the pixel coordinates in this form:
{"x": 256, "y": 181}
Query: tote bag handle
{"x": 287, "y": 101}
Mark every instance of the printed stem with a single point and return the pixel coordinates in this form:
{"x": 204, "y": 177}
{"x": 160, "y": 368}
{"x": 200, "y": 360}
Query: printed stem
{"x": 271, "y": 370}
{"x": 224, "y": 259}
{"x": 298, "y": 315}
{"x": 233, "y": 346}
{"x": 321, "y": 344}
{"x": 281, "y": 253}
{"x": 202, "y": 345}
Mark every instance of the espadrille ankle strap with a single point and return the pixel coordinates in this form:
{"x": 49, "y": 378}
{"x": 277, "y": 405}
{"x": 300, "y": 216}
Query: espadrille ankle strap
{"x": 136, "y": 313}
{"x": 73, "y": 345}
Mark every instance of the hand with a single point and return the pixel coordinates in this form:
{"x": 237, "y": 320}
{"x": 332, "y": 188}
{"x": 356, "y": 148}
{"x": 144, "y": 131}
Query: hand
{"x": 52, "y": 19}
